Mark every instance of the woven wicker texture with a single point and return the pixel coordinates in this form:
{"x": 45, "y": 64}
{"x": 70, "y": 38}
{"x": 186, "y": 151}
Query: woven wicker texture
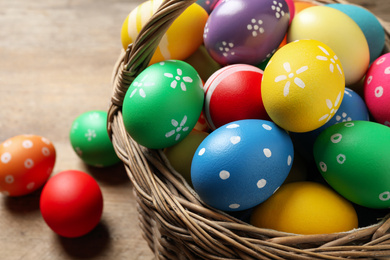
{"x": 175, "y": 223}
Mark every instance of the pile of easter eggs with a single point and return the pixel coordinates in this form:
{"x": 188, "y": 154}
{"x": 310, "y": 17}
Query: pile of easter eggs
{"x": 276, "y": 109}
{"x": 71, "y": 201}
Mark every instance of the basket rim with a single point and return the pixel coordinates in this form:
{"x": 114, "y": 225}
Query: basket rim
{"x": 170, "y": 209}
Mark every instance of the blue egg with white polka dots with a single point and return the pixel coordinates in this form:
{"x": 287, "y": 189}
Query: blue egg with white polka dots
{"x": 241, "y": 164}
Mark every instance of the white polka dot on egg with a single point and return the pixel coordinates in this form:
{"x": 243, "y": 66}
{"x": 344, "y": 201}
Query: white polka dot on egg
{"x": 45, "y": 151}
{"x": 29, "y": 163}
{"x": 336, "y": 138}
{"x": 224, "y": 175}
{"x": 267, "y": 127}
{"x": 232, "y": 126}
{"x": 234, "y": 206}
{"x": 289, "y": 160}
{"x": 261, "y": 183}
{"x": 30, "y": 186}
{"x": 6, "y": 157}
{"x": 384, "y": 196}
{"x": 45, "y": 140}
{"x": 202, "y": 151}
{"x": 235, "y": 139}
{"x": 323, "y": 166}
{"x": 27, "y": 144}
{"x": 267, "y": 152}
{"x": 341, "y": 158}
{"x": 9, "y": 179}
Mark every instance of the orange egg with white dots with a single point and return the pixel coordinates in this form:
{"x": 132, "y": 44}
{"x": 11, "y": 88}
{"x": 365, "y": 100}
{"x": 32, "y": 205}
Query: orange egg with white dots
{"x": 26, "y": 162}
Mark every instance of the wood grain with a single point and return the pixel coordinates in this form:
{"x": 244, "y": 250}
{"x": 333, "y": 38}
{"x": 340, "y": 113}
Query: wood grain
{"x": 56, "y": 60}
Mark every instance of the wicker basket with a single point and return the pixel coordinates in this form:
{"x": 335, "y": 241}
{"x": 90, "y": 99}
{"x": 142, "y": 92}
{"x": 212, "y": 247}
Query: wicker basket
{"x": 175, "y": 223}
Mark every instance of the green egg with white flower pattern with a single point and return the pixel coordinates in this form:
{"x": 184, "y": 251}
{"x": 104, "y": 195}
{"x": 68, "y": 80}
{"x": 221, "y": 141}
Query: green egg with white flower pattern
{"x": 353, "y": 157}
{"x": 163, "y": 104}
{"x": 90, "y": 140}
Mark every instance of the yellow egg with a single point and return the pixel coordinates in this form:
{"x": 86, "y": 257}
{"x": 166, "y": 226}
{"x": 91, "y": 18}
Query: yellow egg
{"x": 180, "y": 155}
{"x": 303, "y": 85}
{"x": 339, "y": 32}
{"x": 305, "y": 208}
{"x": 182, "y": 38}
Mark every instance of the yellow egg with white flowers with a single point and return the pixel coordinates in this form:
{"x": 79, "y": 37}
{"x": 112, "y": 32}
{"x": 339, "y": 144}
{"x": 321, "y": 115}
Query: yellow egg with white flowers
{"x": 182, "y": 38}
{"x": 303, "y": 85}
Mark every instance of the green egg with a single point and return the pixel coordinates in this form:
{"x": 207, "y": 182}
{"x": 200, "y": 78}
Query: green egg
{"x": 89, "y": 139}
{"x": 353, "y": 157}
{"x": 163, "y": 104}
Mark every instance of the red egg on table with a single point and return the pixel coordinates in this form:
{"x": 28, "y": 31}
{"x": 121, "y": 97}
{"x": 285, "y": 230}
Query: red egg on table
{"x": 377, "y": 89}
{"x": 71, "y": 203}
{"x": 26, "y": 162}
{"x": 234, "y": 93}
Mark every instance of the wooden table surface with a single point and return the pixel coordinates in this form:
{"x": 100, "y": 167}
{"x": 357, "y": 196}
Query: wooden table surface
{"x": 56, "y": 60}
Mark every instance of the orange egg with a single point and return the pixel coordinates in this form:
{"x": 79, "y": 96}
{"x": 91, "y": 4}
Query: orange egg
{"x": 26, "y": 162}
{"x": 301, "y": 5}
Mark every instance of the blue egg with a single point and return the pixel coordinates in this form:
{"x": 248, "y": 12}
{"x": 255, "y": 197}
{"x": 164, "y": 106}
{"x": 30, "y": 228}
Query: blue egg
{"x": 351, "y": 108}
{"x": 241, "y": 164}
{"x": 369, "y": 24}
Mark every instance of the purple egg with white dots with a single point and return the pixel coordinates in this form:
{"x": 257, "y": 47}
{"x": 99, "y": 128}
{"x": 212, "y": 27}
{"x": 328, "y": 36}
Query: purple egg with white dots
{"x": 245, "y": 31}
{"x": 241, "y": 164}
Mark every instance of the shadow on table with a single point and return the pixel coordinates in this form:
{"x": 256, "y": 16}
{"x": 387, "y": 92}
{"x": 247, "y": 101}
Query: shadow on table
{"x": 90, "y": 245}
{"x": 111, "y": 175}
{"x": 24, "y": 204}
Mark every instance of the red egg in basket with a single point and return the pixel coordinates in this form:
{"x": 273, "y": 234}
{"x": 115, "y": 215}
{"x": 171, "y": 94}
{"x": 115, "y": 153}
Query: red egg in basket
{"x": 234, "y": 93}
{"x": 377, "y": 89}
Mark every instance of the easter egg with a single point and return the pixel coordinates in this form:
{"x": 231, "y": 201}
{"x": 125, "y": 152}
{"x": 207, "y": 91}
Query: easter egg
{"x": 352, "y": 107}
{"x": 163, "y": 104}
{"x": 233, "y": 93}
{"x": 369, "y": 24}
{"x": 71, "y": 203}
{"x": 291, "y": 9}
{"x": 302, "y": 5}
{"x": 353, "y": 158}
{"x": 303, "y": 85}
{"x": 202, "y": 125}
{"x": 180, "y": 155}
{"x": 305, "y": 208}
{"x": 26, "y": 162}
{"x": 337, "y": 30}
{"x": 90, "y": 141}
{"x": 241, "y": 164}
{"x": 258, "y": 26}
{"x": 181, "y": 39}
{"x": 208, "y": 5}
{"x": 377, "y": 89}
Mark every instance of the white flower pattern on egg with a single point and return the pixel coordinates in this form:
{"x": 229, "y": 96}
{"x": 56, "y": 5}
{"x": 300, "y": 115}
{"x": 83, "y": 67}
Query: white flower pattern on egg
{"x": 332, "y": 107}
{"x": 343, "y": 118}
{"x": 178, "y": 79}
{"x": 226, "y": 49}
{"x": 296, "y": 80}
{"x": 255, "y": 27}
{"x": 277, "y": 8}
{"x": 139, "y": 86}
{"x": 332, "y": 60}
{"x": 90, "y": 134}
{"x": 178, "y": 128}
